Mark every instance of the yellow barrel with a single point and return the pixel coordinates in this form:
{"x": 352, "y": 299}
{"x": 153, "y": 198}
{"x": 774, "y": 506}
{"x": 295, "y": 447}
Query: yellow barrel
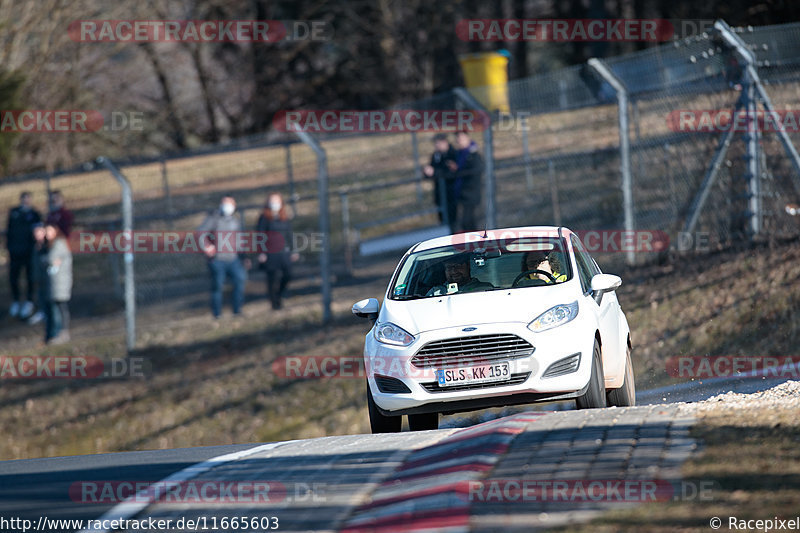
{"x": 486, "y": 77}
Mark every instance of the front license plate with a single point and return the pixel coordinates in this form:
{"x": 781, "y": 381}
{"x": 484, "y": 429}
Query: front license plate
{"x": 473, "y": 374}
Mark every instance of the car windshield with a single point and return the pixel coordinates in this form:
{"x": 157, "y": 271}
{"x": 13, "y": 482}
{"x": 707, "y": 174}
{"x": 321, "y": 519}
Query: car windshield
{"x": 485, "y": 266}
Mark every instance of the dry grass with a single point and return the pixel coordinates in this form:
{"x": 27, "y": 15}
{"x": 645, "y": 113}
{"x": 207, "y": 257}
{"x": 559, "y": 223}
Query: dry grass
{"x": 750, "y": 463}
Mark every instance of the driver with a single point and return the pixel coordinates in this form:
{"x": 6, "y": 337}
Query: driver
{"x": 457, "y": 273}
{"x": 547, "y": 262}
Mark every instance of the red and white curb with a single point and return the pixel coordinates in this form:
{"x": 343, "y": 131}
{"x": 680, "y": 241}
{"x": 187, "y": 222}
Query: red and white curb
{"x": 429, "y": 490}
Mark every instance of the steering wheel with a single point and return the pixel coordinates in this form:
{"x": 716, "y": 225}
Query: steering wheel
{"x": 534, "y": 271}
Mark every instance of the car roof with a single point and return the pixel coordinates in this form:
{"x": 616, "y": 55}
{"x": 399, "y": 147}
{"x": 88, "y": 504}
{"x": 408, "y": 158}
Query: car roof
{"x": 475, "y": 237}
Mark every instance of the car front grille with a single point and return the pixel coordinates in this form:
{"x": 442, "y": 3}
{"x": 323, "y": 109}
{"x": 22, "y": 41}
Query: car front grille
{"x": 474, "y": 350}
{"x": 515, "y": 379}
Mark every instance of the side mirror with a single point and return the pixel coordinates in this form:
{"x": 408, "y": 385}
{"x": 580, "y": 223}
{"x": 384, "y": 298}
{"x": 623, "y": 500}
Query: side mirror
{"x": 367, "y": 308}
{"x": 603, "y": 283}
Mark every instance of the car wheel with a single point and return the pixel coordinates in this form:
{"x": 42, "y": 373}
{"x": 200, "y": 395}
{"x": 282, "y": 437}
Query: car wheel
{"x": 380, "y": 423}
{"x": 423, "y": 421}
{"x": 624, "y": 396}
{"x": 595, "y": 395}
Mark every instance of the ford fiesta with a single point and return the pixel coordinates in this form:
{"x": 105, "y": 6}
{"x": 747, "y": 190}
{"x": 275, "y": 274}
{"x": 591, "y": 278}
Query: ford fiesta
{"x": 492, "y": 319}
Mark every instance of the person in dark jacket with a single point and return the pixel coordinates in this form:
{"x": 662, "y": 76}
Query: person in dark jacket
{"x": 468, "y": 181}
{"x": 19, "y": 241}
{"x": 441, "y": 171}
{"x": 58, "y": 214}
{"x": 224, "y": 263}
{"x": 275, "y": 222}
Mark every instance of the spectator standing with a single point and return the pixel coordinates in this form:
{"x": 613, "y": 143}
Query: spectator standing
{"x": 41, "y": 262}
{"x": 275, "y": 222}
{"x": 224, "y": 263}
{"x": 441, "y": 171}
{"x": 19, "y": 241}
{"x": 469, "y": 165}
{"x": 41, "y": 280}
{"x": 59, "y": 214}
{"x": 59, "y": 270}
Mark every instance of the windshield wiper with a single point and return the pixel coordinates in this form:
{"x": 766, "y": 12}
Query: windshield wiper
{"x": 407, "y": 297}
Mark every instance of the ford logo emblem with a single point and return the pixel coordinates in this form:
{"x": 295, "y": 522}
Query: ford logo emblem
{"x": 469, "y": 329}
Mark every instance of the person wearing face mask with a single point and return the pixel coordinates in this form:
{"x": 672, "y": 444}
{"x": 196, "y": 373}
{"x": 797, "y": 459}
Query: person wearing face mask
{"x": 224, "y": 263}
{"x": 19, "y": 241}
{"x": 274, "y": 221}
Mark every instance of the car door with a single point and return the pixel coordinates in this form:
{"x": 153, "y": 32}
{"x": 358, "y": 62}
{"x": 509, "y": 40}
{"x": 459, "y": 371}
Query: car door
{"x": 606, "y": 310}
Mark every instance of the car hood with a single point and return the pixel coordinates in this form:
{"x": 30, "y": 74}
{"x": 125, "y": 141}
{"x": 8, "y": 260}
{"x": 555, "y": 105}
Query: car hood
{"x": 510, "y": 305}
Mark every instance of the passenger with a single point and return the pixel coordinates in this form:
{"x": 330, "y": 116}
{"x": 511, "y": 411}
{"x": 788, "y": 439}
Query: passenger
{"x": 458, "y": 278}
{"x": 546, "y": 262}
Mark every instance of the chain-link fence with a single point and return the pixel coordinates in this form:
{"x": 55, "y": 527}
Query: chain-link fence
{"x": 555, "y": 158}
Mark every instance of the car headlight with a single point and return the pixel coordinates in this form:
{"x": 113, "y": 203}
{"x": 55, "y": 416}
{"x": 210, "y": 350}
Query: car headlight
{"x": 389, "y": 333}
{"x": 554, "y": 317}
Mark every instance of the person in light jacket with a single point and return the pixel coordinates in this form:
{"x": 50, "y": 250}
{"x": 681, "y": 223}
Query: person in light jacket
{"x": 59, "y": 271}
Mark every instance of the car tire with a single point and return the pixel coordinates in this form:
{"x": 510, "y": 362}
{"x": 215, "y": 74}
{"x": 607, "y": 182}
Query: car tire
{"x": 624, "y": 396}
{"x": 595, "y": 395}
{"x": 423, "y": 421}
{"x": 378, "y": 422}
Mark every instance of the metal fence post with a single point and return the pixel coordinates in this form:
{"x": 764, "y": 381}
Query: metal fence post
{"x": 488, "y": 154}
{"x": 551, "y": 177}
{"x": 526, "y": 152}
{"x": 417, "y": 168}
{"x": 127, "y": 226}
{"x": 624, "y": 146}
{"x": 167, "y": 194}
{"x": 324, "y": 221}
{"x": 344, "y": 200}
{"x": 290, "y": 179}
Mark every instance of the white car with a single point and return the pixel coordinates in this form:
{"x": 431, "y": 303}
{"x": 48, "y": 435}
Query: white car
{"x": 491, "y": 319}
